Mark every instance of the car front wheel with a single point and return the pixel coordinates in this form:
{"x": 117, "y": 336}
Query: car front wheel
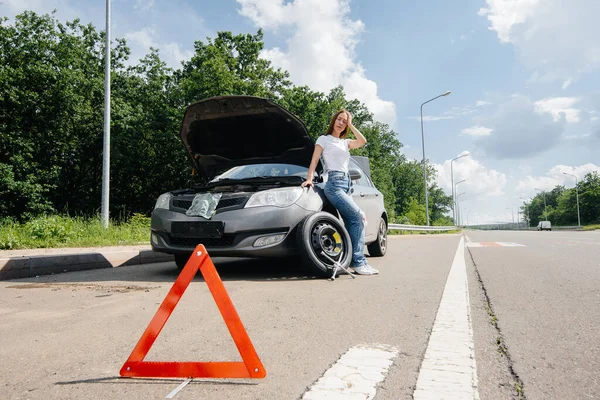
{"x": 323, "y": 241}
{"x": 181, "y": 260}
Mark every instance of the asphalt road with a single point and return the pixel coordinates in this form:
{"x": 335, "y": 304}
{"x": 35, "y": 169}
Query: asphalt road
{"x": 534, "y": 313}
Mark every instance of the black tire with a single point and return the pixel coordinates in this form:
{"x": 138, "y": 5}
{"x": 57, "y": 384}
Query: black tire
{"x": 379, "y": 246}
{"x": 320, "y": 233}
{"x": 181, "y": 260}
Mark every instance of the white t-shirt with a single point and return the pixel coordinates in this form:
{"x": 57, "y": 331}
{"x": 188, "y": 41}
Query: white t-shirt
{"x": 336, "y": 153}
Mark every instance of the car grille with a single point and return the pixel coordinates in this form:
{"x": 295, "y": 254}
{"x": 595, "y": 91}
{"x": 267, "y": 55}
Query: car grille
{"x": 186, "y": 202}
{"x": 226, "y": 240}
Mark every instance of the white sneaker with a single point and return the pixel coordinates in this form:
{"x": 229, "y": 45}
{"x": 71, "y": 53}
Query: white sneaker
{"x": 375, "y": 271}
{"x": 364, "y": 270}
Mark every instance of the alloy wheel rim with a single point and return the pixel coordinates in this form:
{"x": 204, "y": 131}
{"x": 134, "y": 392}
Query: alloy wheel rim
{"x": 382, "y": 235}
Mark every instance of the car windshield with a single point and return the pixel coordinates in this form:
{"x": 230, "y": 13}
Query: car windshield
{"x": 262, "y": 170}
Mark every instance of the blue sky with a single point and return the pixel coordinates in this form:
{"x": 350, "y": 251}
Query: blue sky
{"x": 524, "y": 74}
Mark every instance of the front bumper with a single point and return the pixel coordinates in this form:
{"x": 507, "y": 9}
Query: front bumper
{"x": 242, "y": 228}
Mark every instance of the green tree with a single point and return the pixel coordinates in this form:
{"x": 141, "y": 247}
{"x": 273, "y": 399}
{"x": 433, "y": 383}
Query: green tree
{"x": 440, "y": 204}
{"x": 51, "y": 85}
{"x": 229, "y": 64}
{"x": 589, "y": 198}
{"x": 148, "y": 157}
{"x": 415, "y": 213}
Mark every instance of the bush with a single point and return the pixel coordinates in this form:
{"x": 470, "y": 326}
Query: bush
{"x": 50, "y": 228}
{"x": 64, "y": 231}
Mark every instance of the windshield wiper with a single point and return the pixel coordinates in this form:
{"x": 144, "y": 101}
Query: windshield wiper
{"x": 253, "y": 181}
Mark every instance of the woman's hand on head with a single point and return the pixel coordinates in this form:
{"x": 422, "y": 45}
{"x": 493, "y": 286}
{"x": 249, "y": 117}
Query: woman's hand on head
{"x": 349, "y": 123}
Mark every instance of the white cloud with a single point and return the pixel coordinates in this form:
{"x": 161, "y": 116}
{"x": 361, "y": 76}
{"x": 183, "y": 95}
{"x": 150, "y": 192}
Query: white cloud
{"x": 505, "y": 14}
{"x": 519, "y": 131}
{"x": 555, "y": 38}
{"x": 477, "y": 131}
{"x": 555, "y": 176}
{"x": 141, "y": 41}
{"x": 481, "y": 103}
{"x": 144, "y": 5}
{"x": 453, "y": 113}
{"x": 427, "y": 118}
{"x": 17, "y": 6}
{"x": 559, "y": 106}
{"x": 566, "y": 84}
{"x": 525, "y": 169}
{"x": 62, "y": 7}
{"x": 480, "y": 181}
{"x": 321, "y": 50}
{"x": 577, "y": 137}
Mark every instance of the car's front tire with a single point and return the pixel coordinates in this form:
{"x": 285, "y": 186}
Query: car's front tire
{"x": 181, "y": 260}
{"x": 321, "y": 238}
{"x": 379, "y": 246}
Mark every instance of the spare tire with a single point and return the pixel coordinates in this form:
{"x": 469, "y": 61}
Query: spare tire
{"x": 321, "y": 238}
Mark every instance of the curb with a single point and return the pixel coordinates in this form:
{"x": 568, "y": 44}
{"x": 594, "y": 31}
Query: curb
{"x": 15, "y": 267}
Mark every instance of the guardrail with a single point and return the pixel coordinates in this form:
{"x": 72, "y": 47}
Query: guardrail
{"x": 401, "y": 227}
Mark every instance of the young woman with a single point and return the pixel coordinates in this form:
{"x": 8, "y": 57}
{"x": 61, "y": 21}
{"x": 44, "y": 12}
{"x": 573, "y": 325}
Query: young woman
{"x": 335, "y": 149}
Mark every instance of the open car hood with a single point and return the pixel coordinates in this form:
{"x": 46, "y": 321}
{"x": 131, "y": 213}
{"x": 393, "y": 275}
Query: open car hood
{"x": 227, "y": 131}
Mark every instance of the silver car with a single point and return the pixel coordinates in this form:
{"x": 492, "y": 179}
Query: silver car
{"x": 250, "y": 157}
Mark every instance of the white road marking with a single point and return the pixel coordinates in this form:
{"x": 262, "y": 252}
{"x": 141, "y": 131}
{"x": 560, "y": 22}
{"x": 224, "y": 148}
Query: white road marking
{"x": 493, "y": 244}
{"x": 510, "y": 244}
{"x": 449, "y": 370}
{"x": 355, "y": 375}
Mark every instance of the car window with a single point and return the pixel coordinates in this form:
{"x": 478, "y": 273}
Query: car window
{"x": 262, "y": 170}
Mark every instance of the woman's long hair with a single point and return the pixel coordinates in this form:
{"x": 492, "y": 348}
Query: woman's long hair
{"x": 332, "y": 122}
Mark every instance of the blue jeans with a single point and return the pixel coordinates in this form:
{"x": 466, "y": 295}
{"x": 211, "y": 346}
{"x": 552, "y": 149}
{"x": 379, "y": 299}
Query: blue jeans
{"x": 337, "y": 191}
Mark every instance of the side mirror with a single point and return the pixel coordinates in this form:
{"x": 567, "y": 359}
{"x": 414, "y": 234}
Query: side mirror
{"x": 355, "y": 174}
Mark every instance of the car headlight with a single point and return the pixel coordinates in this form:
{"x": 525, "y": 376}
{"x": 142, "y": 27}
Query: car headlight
{"x": 282, "y": 197}
{"x": 163, "y": 201}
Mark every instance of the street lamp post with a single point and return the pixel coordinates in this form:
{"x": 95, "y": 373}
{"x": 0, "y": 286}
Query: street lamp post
{"x": 106, "y": 143}
{"x": 458, "y": 214}
{"x": 577, "y": 192}
{"x": 452, "y": 179}
{"x": 545, "y": 209}
{"x": 455, "y": 198}
{"x": 424, "y": 162}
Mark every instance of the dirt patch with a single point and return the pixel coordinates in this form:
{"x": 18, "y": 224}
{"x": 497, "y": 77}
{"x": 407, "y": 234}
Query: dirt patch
{"x": 84, "y": 286}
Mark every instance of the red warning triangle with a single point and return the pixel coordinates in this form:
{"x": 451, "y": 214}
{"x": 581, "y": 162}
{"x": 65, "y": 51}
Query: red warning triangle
{"x": 250, "y": 367}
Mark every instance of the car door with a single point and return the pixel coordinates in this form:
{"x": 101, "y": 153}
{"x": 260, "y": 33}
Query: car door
{"x": 369, "y": 199}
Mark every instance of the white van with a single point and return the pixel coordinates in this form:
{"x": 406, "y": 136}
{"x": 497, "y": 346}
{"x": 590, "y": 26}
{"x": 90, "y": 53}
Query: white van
{"x": 544, "y": 226}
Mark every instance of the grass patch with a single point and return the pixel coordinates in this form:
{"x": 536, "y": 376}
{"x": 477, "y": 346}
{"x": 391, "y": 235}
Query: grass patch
{"x": 591, "y": 227}
{"x": 62, "y": 231}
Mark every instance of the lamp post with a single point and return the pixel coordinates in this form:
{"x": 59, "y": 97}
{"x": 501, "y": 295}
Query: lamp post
{"x": 454, "y": 199}
{"x": 106, "y": 143}
{"x": 424, "y": 162}
{"x": 577, "y": 192}
{"x": 452, "y": 179}
{"x": 458, "y": 214}
{"x": 545, "y": 209}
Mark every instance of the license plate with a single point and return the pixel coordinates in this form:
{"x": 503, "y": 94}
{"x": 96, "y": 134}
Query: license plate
{"x": 204, "y": 229}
